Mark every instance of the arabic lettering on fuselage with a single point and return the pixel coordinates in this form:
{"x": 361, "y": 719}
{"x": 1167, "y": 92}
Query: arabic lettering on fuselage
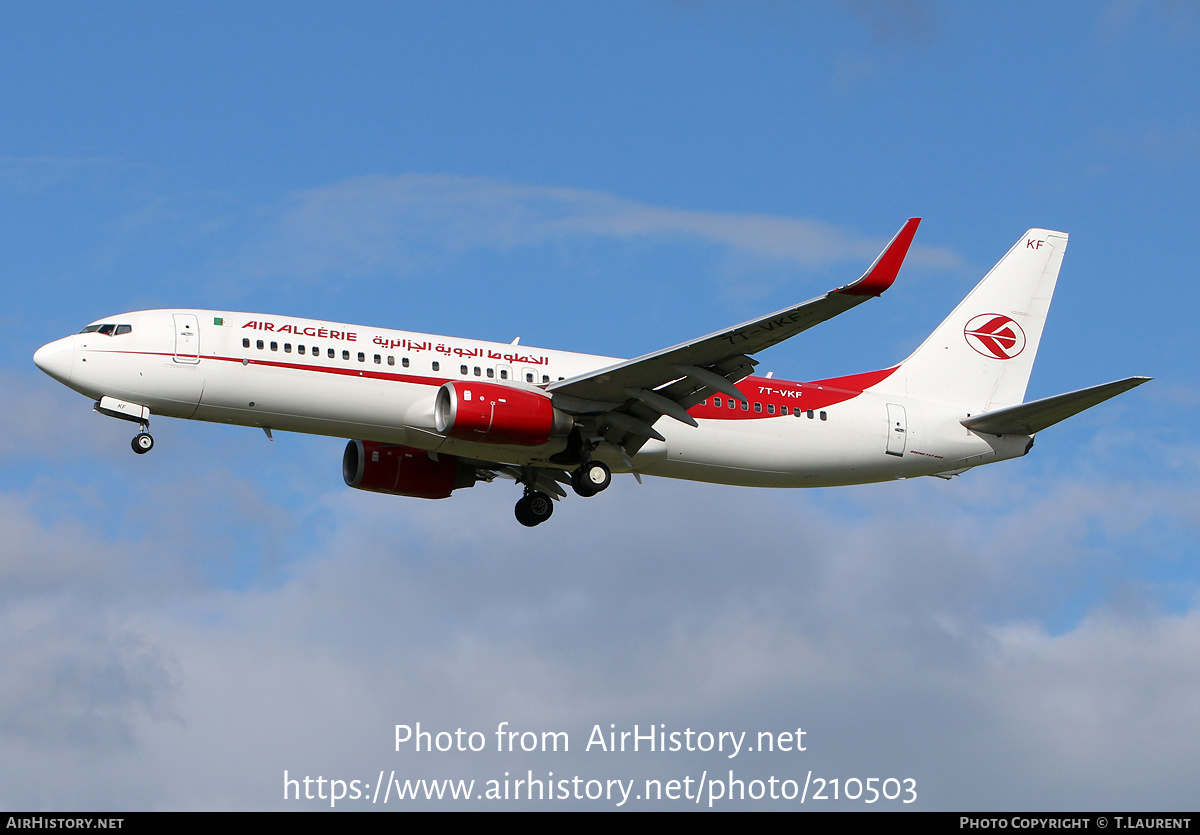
{"x": 458, "y": 351}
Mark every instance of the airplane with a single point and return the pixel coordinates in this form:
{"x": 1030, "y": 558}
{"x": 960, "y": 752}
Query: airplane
{"x": 430, "y": 414}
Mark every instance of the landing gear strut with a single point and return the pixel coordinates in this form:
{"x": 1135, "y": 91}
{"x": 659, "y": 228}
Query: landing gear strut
{"x": 534, "y": 508}
{"x": 591, "y": 478}
{"x": 135, "y": 412}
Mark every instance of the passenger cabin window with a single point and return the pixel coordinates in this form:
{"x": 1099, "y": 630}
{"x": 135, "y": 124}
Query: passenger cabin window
{"x": 824, "y": 416}
{"x": 717, "y": 402}
{"x": 404, "y": 361}
{"x": 362, "y": 357}
{"x": 462, "y": 369}
{"x": 491, "y": 372}
{"x": 246, "y": 342}
{"x": 331, "y": 353}
{"x": 287, "y": 347}
{"x": 758, "y": 407}
{"x": 345, "y": 355}
{"x": 274, "y": 346}
{"x": 545, "y": 378}
{"x": 299, "y": 349}
{"x": 259, "y": 345}
{"x": 437, "y": 366}
{"x": 478, "y": 372}
{"x": 378, "y": 360}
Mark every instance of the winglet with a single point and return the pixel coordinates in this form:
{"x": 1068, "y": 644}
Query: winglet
{"x": 883, "y": 272}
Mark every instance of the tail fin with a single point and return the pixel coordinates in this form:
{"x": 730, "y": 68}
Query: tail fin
{"x": 980, "y": 358}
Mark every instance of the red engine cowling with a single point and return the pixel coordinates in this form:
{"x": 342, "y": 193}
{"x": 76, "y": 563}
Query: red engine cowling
{"x": 493, "y": 414}
{"x": 403, "y": 470}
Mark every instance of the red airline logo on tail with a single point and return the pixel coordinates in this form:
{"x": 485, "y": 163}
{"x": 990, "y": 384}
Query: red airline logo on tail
{"x": 995, "y": 336}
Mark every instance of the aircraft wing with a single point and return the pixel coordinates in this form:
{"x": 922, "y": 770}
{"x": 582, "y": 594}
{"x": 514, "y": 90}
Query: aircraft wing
{"x": 1028, "y": 418}
{"x": 627, "y": 398}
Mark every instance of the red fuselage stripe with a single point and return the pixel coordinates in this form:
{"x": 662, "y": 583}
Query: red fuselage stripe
{"x": 766, "y": 391}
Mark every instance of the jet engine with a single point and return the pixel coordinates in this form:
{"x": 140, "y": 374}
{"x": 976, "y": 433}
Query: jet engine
{"x": 494, "y": 414}
{"x": 403, "y": 470}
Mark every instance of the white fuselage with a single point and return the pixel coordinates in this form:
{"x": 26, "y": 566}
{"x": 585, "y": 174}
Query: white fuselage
{"x": 364, "y": 383}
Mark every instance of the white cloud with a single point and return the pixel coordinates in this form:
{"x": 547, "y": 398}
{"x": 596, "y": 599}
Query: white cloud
{"x": 408, "y": 222}
{"x": 873, "y": 617}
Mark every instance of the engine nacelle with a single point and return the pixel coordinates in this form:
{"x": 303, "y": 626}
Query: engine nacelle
{"x": 488, "y": 413}
{"x": 403, "y": 470}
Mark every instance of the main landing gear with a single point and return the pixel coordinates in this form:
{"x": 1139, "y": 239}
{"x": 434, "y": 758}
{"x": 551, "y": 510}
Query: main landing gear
{"x": 534, "y": 508}
{"x": 591, "y": 478}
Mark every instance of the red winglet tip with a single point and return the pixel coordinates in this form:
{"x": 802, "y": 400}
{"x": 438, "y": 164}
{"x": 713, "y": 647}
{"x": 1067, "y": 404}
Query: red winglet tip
{"x": 883, "y": 272}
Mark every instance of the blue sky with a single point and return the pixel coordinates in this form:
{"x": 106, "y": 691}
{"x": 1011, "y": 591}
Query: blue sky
{"x": 182, "y": 627}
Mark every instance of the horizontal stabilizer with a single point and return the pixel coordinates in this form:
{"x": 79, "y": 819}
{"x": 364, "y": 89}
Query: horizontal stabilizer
{"x": 1028, "y": 418}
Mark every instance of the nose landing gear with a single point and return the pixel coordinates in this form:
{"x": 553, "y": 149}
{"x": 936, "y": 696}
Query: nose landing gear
{"x": 135, "y": 412}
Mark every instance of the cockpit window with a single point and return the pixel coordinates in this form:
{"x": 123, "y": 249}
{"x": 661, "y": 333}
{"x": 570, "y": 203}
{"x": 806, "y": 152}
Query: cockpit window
{"x": 109, "y": 329}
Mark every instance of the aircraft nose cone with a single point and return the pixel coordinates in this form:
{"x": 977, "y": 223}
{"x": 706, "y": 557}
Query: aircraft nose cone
{"x": 56, "y": 358}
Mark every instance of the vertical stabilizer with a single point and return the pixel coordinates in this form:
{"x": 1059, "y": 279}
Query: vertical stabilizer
{"x": 981, "y": 356}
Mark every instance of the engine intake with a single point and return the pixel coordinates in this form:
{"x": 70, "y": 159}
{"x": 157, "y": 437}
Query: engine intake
{"x": 494, "y": 414}
{"x": 403, "y": 470}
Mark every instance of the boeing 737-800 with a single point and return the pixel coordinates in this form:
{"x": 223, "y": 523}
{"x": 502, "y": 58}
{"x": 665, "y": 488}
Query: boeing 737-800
{"x": 431, "y": 414}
